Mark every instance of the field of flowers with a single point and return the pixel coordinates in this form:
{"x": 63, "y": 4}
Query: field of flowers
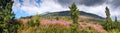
{"x": 61, "y": 26}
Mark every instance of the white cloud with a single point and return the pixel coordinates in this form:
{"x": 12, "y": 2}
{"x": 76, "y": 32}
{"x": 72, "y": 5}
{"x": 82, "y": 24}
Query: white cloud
{"x": 99, "y": 10}
{"x": 45, "y": 6}
{"x": 31, "y": 8}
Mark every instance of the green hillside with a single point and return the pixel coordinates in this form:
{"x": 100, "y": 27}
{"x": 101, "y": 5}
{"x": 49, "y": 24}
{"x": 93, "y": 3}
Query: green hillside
{"x": 89, "y": 16}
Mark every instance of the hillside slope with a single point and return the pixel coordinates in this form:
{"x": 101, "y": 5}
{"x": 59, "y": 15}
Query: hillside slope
{"x": 83, "y": 15}
{"x": 67, "y": 13}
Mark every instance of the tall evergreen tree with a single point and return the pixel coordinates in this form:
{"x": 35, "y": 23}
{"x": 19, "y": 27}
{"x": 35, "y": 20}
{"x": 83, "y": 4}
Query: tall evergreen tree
{"x": 108, "y": 19}
{"x": 74, "y": 12}
{"x": 8, "y": 23}
{"x": 116, "y": 24}
{"x": 116, "y": 19}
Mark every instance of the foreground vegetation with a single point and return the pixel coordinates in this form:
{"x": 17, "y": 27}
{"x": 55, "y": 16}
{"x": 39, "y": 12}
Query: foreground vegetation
{"x": 54, "y": 28}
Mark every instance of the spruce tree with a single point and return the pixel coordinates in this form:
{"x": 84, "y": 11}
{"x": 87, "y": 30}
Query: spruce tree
{"x": 116, "y": 24}
{"x": 116, "y": 19}
{"x": 108, "y": 19}
{"x": 74, "y": 12}
{"x": 8, "y": 24}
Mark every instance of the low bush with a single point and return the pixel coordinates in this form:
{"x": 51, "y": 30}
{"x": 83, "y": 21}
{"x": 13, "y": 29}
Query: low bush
{"x": 111, "y": 25}
{"x": 32, "y": 23}
{"x": 57, "y": 18}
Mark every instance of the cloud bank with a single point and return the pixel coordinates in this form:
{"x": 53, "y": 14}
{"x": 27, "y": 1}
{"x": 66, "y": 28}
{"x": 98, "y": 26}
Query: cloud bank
{"x": 32, "y": 7}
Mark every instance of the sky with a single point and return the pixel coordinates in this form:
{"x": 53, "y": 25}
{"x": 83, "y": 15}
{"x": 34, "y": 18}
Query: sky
{"x": 24, "y": 8}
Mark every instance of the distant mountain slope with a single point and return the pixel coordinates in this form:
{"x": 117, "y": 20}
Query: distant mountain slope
{"x": 67, "y": 13}
{"x": 83, "y": 16}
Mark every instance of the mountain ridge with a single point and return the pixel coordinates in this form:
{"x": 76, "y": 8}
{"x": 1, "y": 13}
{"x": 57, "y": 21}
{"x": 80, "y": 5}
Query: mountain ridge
{"x": 67, "y": 13}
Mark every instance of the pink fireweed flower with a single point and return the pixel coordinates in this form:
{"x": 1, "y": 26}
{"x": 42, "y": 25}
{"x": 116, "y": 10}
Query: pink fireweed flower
{"x": 60, "y": 22}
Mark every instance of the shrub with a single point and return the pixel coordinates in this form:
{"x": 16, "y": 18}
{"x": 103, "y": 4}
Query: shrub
{"x": 33, "y": 24}
{"x": 30, "y": 23}
{"x": 111, "y": 25}
{"x": 90, "y": 28}
{"x": 57, "y": 18}
{"x": 35, "y": 21}
{"x": 74, "y": 28}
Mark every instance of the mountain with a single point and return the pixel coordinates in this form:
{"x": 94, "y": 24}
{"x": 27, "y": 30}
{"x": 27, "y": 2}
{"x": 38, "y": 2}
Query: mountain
{"x": 67, "y": 13}
{"x": 83, "y": 15}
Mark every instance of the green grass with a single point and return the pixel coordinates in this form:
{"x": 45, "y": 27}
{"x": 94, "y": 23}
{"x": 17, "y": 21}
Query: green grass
{"x": 54, "y": 29}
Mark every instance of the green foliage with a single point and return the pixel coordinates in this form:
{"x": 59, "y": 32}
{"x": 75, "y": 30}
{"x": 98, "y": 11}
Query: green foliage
{"x": 114, "y": 31}
{"x": 13, "y": 26}
{"x": 35, "y": 21}
{"x": 117, "y": 24}
{"x": 111, "y": 25}
{"x": 90, "y": 28}
{"x": 116, "y": 19}
{"x": 54, "y": 28}
{"x": 30, "y": 23}
{"x": 66, "y": 18}
{"x": 74, "y": 12}
{"x": 108, "y": 19}
{"x": 8, "y": 23}
{"x": 57, "y": 18}
{"x": 74, "y": 28}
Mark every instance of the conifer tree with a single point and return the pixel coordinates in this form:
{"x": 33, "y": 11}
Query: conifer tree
{"x": 116, "y": 24}
{"x": 74, "y": 12}
{"x": 8, "y": 24}
{"x": 108, "y": 19}
{"x": 116, "y": 19}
